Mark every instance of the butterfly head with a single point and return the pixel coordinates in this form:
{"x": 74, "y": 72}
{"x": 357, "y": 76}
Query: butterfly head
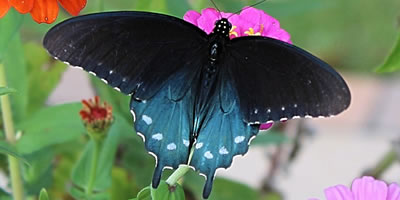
{"x": 222, "y": 27}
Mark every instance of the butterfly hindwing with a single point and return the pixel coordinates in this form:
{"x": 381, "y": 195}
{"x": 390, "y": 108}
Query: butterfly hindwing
{"x": 164, "y": 125}
{"x": 133, "y": 51}
{"x": 222, "y": 135}
{"x": 277, "y": 81}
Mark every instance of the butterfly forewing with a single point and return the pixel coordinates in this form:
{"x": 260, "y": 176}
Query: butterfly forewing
{"x": 277, "y": 81}
{"x": 133, "y": 51}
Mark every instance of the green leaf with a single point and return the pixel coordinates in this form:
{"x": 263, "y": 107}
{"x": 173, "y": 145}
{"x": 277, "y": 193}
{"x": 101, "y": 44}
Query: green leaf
{"x": 79, "y": 194}
{"x": 144, "y": 194}
{"x": 136, "y": 159}
{"x": 81, "y": 172}
{"x": 15, "y": 67}
{"x": 43, "y": 195}
{"x": 225, "y": 189}
{"x": 166, "y": 192}
{"x": 269, "y": 137}
{"x": 392, "y": 62}
{"x": 44, "y": 74}
{"x": 50, "y": 126}
{"x": 6, "y": 90}
{"x": 121, "y": 187}
{"x": 7, "y": 149}
{"x": 9, "y": 26}
{"x": 39, "y": 174}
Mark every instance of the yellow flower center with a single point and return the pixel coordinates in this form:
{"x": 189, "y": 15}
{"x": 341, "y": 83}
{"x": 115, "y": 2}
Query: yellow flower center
{"x": 233, "y": 32}
{"x": 251, "y": 31}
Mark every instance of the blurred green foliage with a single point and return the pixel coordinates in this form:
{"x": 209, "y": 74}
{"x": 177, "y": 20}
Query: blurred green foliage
{"x": 352, "y": 35}
{"x": 392, "y": 63}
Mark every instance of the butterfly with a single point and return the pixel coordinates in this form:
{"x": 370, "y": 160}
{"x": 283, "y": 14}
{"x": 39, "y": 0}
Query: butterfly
{"x": 197, "y": 98}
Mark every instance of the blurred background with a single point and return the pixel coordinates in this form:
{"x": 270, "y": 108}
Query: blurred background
{"x": 302, "y": 157}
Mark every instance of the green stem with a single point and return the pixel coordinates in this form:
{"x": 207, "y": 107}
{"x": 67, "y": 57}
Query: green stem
{"x": 180, "y": 172}
{"x": 16, "y": 180}
{"x": 387, "y": 161}
{"x": 93, "y": 169}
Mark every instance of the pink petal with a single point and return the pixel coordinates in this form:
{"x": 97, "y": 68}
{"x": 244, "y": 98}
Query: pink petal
{"x": 191, "y": 16}
{"x": 339, "y": 192}
{"x": 266, "y": 126}
{"x": 394, "y": 192}
{"x": 367, "y": 188}
{"x": 207, "y": 19}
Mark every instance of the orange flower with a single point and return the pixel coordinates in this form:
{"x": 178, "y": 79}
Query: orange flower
{"x": 42, "y": 11}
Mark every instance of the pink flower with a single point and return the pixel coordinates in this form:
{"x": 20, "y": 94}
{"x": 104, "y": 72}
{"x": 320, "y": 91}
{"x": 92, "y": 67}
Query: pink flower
{"x": 365, "y": 188}
{"x": 250, "y": 21}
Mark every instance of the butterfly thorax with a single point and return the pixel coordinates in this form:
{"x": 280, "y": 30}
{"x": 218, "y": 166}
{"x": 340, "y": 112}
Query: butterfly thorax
{"x": 206, "y": 91}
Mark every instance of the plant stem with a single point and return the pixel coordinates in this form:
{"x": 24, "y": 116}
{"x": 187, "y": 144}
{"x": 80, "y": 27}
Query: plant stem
{"x": 93, "y": 167}
{"x": 180, "y": 172}
{"x": 16, "y": 181}
{"x": 387, "y": 161}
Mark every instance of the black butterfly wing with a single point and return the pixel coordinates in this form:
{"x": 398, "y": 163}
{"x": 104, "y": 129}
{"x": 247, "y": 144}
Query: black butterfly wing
{"x": 135, "y": 52}
{"x": 154, "y": 57}
{"x": 278, "y": 81}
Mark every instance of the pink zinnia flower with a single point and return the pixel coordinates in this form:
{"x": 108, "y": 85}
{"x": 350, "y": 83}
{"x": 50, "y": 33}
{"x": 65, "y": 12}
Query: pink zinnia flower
{"x": 250, "y": 22}
{"x": 365, "y": 188}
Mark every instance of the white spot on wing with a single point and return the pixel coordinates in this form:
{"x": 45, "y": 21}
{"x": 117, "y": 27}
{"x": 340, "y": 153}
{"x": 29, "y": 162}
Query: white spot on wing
{"x": 171, "y": 146}
{"x": 208, "y": 155}
{"x": 199, "y": 145}
{"x": 223, "y": 151}
{"x": 142, "y": 136}
{"x": 147, "y": 119}
{"x": 157, "y": 136}
{"x": 283, "y": 108}
{"x": 104, "y": 80}
{"x": 133, "y": 115}
{"x": 119, "y": 90}
{"x": 239, "y": 139}
{"x": 92, "y": 73}
{"x": 186, "y": 142}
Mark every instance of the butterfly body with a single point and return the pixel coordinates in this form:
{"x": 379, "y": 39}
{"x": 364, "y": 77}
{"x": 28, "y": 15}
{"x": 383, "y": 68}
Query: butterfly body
{"x": 193, "y": 91}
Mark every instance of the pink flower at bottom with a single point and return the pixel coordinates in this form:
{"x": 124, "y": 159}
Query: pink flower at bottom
{"x": 365, "y": 188}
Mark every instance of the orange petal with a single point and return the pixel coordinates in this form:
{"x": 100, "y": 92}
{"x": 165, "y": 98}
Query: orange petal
{"x": 45, "y": 11}
{"x": 22, "y": 6}
{"x": 73, "y": 6}
{"x": 4, "y": 7}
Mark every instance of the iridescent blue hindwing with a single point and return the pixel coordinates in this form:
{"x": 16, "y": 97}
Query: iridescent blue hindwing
{"x": 164, "y": 125}
{"x": 223, "y": 135}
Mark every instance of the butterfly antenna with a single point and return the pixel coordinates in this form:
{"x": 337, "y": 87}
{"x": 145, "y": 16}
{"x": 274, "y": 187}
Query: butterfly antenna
{"x": 215, "y": 5}
{"x": 251, "y": 6}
